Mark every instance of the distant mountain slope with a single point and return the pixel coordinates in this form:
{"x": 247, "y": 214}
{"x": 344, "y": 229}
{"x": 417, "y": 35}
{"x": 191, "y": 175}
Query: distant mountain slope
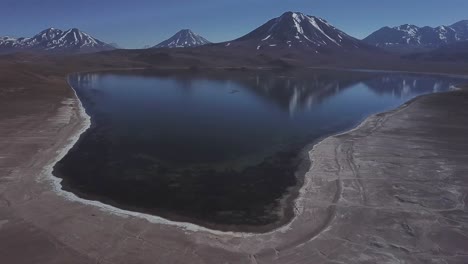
{"x": 453, "y": 52}
{"x": 54, "y": 40}
{"x": 461, "y": 28}
{"x": 410, "y": 37}
{"x": 183, "y": 39}
{"x": 297, "y": 30}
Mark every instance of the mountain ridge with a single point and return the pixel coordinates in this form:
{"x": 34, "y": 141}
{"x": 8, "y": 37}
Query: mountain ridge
{"x": 55, "y": 40}
{"x": 411, "y": 37}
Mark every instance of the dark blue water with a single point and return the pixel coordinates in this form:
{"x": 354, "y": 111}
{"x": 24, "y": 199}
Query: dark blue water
{"x": 221, "y": 148}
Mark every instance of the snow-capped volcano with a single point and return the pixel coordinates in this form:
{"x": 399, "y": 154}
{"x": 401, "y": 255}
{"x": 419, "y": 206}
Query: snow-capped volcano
{"x": 422, "y": 37}
{"x": 72, "y": 40}
{"x": 294, "y": 29}
{"x": 183, "y": 39}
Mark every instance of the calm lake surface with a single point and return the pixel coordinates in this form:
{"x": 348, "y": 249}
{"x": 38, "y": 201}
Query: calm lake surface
{"x": 219, "y": 149}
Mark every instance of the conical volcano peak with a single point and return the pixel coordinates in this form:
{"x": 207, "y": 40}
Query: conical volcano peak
{"x": 183, "y": 39}
{"x": 296, "y": 29}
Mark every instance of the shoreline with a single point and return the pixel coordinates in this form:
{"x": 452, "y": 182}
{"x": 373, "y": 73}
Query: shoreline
{"x": 462, "y": 76}
{"x": 57, "y": 186}
{"x": 402, "y": 195}
{"x": 47, "y": 174}
{"x": 404, "y": 187}
{"x": 293, "y": 197}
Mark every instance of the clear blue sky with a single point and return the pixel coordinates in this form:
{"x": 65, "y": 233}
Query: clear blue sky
{"x": 136, "y": 23}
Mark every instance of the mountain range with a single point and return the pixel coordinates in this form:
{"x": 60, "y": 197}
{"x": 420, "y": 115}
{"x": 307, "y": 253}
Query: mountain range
{"x": 55, "y": 40}
{"x": 412, "y": 38}
{"x": 295, "y": 30}
{"x": 292, "y": 32}
{"x": 183, "y": 39}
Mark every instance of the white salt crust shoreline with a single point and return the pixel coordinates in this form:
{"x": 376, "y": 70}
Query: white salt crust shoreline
{"x": 47, "y": 174}
{"x": 85, "y": 123}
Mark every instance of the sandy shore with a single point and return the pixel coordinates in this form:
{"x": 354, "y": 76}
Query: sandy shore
{"x": 393, "y": 190}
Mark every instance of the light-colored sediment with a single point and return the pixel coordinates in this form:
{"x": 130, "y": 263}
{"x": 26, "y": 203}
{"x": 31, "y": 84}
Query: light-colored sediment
{"x": 393, "y": 190}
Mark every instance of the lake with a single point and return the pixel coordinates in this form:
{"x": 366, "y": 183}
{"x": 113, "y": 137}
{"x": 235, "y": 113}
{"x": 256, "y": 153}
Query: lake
{"x": 221, "y": 148}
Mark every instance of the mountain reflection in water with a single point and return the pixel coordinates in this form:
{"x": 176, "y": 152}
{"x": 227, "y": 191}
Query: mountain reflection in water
{"x": 219, "y": 148}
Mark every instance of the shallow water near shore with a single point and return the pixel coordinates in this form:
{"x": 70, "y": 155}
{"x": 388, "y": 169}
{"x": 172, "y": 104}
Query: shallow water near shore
{"x": 218, "y": 149}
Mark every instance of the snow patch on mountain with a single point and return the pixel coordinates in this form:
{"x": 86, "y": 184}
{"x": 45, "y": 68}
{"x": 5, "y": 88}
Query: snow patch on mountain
{"x": 183, "y": 39}
{"x": 53, "y": 39}
{"x": 297, "y": 30}
{"x": 411, "y": 35}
